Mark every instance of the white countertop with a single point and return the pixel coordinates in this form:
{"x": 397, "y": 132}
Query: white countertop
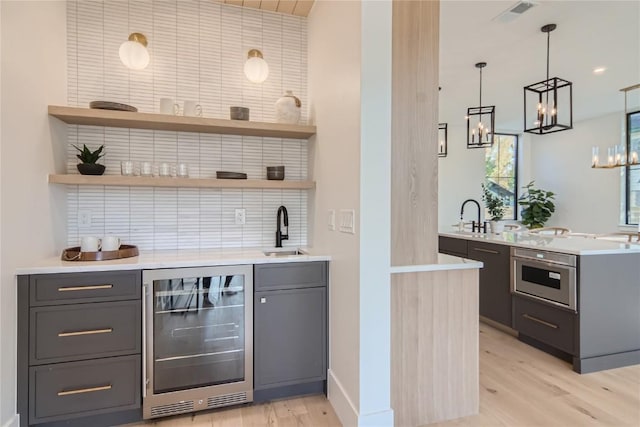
{"x": 170, "y": 259}
{"x": 575, "y": 245}
{"x": 445, "y": 262}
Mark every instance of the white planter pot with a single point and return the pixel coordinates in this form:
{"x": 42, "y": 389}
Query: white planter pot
{"x": 496, "y": 227}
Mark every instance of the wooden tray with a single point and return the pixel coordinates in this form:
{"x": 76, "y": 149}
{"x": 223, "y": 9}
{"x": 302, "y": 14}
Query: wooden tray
{"x": 74, "y": 254}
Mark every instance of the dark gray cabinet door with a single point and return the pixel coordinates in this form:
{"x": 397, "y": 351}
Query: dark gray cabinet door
{"x": 290, "y": 337}
{"x": 451, "y": 246}
{"x": 293, "y": 275}
{"x": 495, "y": 288}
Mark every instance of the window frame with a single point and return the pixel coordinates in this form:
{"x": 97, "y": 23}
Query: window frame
{"x": 516, "y": 157}
{"x": 627, "y": 169}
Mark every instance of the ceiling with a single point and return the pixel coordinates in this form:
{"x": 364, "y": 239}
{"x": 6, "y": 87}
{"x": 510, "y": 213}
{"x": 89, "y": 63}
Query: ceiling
{"x": 589, "y": 34}
{"x": 291, "y": 7}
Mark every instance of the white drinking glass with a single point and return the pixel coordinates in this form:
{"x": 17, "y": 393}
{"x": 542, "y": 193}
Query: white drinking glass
{"x": 126, "y": 168}
{"x": 164, "y": 169}
{"x": 146, "y": 169}
{"x": 182, "y": 170}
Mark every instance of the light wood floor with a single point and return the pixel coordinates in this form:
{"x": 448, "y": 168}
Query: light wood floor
{"x": 519, "y": 386}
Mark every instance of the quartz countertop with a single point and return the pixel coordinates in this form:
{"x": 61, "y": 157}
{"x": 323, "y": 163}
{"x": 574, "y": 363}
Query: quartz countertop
{"x": 445, "y": 262}
{"x": 171, "y": 259}
{"x": 576, "y": 245}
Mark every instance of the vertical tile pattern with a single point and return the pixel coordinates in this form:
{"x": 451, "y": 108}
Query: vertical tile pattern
{"x": 198, "y": 49}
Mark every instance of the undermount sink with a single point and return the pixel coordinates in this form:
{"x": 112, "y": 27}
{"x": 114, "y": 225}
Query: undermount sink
{"x": 283, "y": 252}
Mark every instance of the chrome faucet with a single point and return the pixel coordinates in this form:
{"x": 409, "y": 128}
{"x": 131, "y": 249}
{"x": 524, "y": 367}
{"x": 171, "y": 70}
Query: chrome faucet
{"x": 279, "y": 236}
{"x": 474, "y": 226}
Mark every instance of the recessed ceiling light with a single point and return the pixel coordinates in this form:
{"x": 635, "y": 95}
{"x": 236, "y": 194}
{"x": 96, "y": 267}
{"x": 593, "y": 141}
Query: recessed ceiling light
{"x": 599, "y": 70}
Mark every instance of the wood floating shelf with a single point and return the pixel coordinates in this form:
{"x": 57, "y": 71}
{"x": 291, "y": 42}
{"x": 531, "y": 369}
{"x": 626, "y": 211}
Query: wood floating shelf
{"x": 170, "y": 182}
{"x": 167, "y": 122}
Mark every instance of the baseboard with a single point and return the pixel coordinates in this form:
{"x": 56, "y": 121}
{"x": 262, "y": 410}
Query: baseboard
{"x": 499, "y": 326}
{"x": 13, "y": 422}
{"x": 347, "y": 412}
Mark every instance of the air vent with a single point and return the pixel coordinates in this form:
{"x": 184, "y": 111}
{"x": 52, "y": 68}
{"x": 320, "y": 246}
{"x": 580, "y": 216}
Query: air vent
{"x": 226, "y": 400}
{"x": 172, "y": 409}
{"x": 515, "y": 11}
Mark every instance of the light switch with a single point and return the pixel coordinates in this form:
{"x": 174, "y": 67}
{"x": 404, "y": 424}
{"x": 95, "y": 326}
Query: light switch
{"x": 347, "y": 221}
{"x": 331, "y": 222}
{"x": 84, "y": 218}
{"x": 241, "y": 216}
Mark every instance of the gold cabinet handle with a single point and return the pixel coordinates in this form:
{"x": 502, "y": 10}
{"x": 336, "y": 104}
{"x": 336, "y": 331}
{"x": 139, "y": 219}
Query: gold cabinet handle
{"x": 542, "y": 322}
{"x": 89, "y": 332}
{"x": 84, "y": 390}
{"x": 83, "y": 288}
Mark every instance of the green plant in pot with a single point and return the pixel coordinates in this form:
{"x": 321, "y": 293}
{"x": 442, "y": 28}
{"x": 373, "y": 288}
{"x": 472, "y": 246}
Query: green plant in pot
{"x": 537, "y": 206}
{"x": 496, "y": 207}
{"x": 89, "y": 159}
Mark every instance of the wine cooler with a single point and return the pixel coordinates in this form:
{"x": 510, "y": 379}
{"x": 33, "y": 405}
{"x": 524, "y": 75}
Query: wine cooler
{"x": 198, "y": 339}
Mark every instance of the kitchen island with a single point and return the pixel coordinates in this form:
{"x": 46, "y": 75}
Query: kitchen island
{"x": 574, "y": 297}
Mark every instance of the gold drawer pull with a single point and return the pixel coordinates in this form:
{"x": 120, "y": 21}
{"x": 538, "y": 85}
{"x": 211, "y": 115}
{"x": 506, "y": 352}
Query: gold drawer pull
{"x": 84, "y": 390}
{"x": 89, "y": 332}
{"x": 542, "y": 322}
{"x": 84, "y": 288}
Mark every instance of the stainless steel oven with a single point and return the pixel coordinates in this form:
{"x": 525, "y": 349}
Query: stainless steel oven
{"x": 197, "y": 339}
{"x": 543, "y": 275}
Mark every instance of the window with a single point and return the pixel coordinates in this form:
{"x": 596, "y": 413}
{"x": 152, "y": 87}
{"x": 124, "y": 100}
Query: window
{"x": 632, "y": 173}
{"x": 501, "y": 175}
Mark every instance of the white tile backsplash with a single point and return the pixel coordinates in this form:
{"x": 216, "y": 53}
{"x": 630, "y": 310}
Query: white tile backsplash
{"x": 197, "y": 49}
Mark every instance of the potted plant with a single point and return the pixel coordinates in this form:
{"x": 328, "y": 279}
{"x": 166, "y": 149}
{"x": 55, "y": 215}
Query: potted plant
{"x": 89, "y": 159}
{"x": 496, "y": 207}
{"x": 537, "y": 206}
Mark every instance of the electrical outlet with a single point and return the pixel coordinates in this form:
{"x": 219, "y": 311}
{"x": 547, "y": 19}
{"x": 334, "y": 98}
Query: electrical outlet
{"x": 241, "y": 216}
{"x": 331, "y": 220}
{"x": 347, "y": 221}
{"x": 84, "y": 218}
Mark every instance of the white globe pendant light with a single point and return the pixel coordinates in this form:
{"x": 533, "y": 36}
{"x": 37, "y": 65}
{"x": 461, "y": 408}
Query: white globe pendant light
{"x": 133, "y": 52}
{"x": 256, "y": 68}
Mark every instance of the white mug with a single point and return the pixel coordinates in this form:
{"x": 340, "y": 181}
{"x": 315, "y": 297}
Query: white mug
{"x": 192, "y": 108}
{"x": 89, "y": 244}
{"x": 110, "y": 243}
{"x": 167, "y": 106}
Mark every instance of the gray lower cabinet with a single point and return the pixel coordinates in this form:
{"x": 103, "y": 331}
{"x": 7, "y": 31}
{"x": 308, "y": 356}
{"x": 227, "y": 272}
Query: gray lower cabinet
{"x": 290, "y": 329}
{"x": 79, "y": 345}
{"x": 495, "y": 286}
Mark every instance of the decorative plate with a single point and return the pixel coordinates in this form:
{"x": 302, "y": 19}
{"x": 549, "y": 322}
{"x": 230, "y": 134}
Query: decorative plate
{"x": 230, "y": 175}
{"x": 108, "y": 105}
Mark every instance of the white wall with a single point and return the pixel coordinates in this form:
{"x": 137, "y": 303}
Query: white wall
{"x": 350, "y": 95}
{"x": 587, "y": 200}
{"x": 334, "y": 93}
{"x": 33, "y": 213}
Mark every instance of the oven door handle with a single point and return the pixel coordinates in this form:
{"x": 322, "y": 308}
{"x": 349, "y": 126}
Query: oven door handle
{"x": 542, "y": 261}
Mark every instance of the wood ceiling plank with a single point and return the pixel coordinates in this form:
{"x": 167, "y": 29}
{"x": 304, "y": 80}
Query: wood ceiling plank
{"x": 270, "y": 5}
{"x": 234, "y": 2}
{"x": 286, "y": 6}
{"x": 303, "y": 7}
{"x": 255, "y": 4}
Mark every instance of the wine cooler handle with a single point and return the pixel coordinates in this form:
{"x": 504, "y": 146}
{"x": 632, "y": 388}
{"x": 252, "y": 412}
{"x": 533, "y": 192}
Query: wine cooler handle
{"x": 144, "y": 340}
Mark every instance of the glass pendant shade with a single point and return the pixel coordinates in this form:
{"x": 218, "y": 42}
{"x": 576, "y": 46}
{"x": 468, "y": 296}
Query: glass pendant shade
{"x": 133, "y": 52}
{"x": 442, "y": 139}
{"x": 480, "y": 121}
{"x": 548, "y": 105}
{"x": 256, "y": 68}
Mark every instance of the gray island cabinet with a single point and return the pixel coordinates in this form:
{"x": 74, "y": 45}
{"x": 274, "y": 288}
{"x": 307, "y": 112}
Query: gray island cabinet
{"x": 604, "y": 330}
{"x": 290, "y": 335}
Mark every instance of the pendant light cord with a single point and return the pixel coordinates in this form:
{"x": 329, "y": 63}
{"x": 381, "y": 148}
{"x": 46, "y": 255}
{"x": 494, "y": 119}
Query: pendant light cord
{"x": 481, "y": 86}
{"x": 548, "y": 44}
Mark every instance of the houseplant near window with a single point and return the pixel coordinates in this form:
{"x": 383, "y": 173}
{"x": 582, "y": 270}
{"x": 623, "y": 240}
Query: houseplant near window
{"x": 89, "y": 159}
{"x": 495, "y": 206}
{"x": 537, "y": 206}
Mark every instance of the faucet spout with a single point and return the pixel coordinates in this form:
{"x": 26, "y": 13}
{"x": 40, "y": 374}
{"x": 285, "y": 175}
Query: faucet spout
{"x": 282, "y": 212}
{"x": 474, "y": 226}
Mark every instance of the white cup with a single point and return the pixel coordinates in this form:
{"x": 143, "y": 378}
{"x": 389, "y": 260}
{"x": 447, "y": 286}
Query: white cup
{"x": 126, "y": 168}
{"x": 167, "y": 106}
{"x": 89, "y": 244}
{"x": 192, "y": 108}
{"x": 164, "y": 169}
{"x": 110, "y": 243}
{"x": 182, "y": 170}
{"x": 146, "y": 169}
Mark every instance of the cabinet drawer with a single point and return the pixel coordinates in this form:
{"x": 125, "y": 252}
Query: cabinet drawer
{"x": 52, "y": 289}
{"x": 552, "y": 326}
{"x": 481, "y": 251}
{"x": 451, "y": 246}
{"x": 68, "y": 390}
{"x": 82, "y": 331}
{"x": 290, "y": 275}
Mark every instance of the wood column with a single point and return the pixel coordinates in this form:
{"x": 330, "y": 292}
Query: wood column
{"x": 414, "y": 133}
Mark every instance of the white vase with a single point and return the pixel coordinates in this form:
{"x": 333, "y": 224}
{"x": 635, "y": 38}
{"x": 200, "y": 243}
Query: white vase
{"x": 497, "y": 227}
{"x": 288, "y": 109}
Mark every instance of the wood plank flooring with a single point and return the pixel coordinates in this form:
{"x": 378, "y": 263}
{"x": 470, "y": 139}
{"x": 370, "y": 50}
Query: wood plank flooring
{"x": 519, "y": 386}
